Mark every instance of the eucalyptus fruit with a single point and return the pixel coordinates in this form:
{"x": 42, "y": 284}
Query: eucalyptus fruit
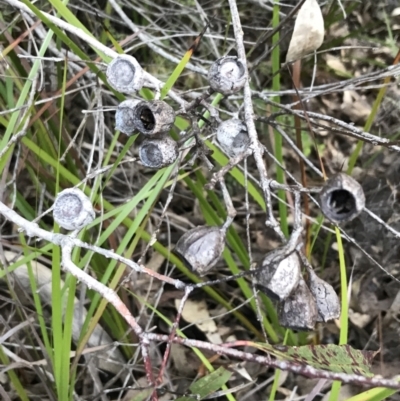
{"x": 125, "y": 74}
{"x": 73, "y": 209}
{"x": 277, "y": 277}
{"x": 158, "y": 152}
{"x": 153, "y": 117}
{"x": 201, "y": 248}
{"x": 124, "y": 116}
{"x": 227, "y": 75}
{"x": 327, "y": 301}
{"x": 342, "y": 198}
{"x": 233, "y": 137}
{"x": 299, "y": 310}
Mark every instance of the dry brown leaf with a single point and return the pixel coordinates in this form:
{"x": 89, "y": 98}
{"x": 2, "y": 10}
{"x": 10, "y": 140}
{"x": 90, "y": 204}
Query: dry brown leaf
{"x": 308, "y": 33}
{"x": 196, "y": 312}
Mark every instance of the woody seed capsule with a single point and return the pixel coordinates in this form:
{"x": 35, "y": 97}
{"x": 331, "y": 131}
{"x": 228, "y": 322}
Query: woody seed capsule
{"x": 342, "y": 198}
{"x": 124, "y": 116}
{"x": 227, "y": 75}
{"x": 73, "y": 209}
{"x": 153, "y": 117}
{"x": 201, "y": 248}
{"x": 158, "y": 152}
{"x": 328, "y": 304}
{"x": 233, "y": 137}
{"x": 299, "y": 311}
{"x": 125, "y": 74}
{"x": 278, "y": 278}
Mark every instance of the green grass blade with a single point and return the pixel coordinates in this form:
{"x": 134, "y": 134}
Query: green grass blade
{"x": 344, "y": 318}
{"x": 276, "y": 87}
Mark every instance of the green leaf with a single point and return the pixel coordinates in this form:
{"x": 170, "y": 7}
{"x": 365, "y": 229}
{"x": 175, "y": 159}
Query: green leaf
{"x": 374, "y": 394}
{"x": 208, "y": 384}
{"x": 335, "y": 358}
{"x": 181, "y": 66}
{"x": 143, "y": 395}
{"x": 330, "y": 357}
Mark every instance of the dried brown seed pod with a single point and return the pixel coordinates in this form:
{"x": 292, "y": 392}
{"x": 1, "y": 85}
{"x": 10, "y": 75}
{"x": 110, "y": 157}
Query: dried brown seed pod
{"x": 201, "y": 248}
{"x": 153, "y": 117}
{"x": 73, "y": 209}
{"x": 125, "y": 74}
{"x": 233, "y": 137}
{"x": 124, "y": 116}
{"x": 328, "y": 304}
{"x": 342, "y": 198}
{"x": 278, "y": 278}
{"x": 158, "y": 152}
{"x": 227, "y": 75}
{"x": 299, "y": 311}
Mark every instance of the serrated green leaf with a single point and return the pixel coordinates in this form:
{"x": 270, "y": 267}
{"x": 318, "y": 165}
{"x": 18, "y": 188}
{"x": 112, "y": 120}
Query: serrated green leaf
{"x": 330, "y": 357}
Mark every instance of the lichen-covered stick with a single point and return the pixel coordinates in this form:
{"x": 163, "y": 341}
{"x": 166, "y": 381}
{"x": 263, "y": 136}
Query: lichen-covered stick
{"x": 295, "y": 367}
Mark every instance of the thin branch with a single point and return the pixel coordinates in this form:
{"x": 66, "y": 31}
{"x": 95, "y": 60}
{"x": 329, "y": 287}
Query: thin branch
{"x": 255, "y": 145}
{"x": 295, "y": 367}
{"x": 92, "y": 42}
{"x": 33, "y": 230}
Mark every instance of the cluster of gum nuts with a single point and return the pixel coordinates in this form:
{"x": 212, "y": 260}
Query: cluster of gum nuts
{"x": 302, "y": 302}
{"x": 155, "y": 118}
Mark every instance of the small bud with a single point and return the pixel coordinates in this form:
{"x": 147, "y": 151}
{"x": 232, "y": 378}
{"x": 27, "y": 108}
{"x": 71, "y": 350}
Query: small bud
{"x": 153, "y": 117}
{"x": 299, "y": 311}
{"x": 278, "y": 278}
{"x": 201, "y": 248}
{"x": 233, "y": 137}
{"x": 73, "y": 209}
{"x": 124, "y": 116}
{"x": 125, "y": 74}
{"x": 328, "y": 304}
{"x": 341, "y": 198}
{"x": 227, "y": 75}
{"x": 158, "y": 152}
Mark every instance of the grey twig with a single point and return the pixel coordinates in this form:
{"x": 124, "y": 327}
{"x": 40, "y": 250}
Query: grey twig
{"x": 92, "y": 42}
{"x": 255, "y": 145}
{"x": 295, "y": 367}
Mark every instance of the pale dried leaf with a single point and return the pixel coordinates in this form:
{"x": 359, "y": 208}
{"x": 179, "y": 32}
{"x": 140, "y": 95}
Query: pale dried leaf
{"x": 196, "y": 312}
{"x": 396, "y": 12}
{"x": 355, "y": 106}
{"x": 308, "y": 33}
{"x": 336, "y": 64}
{"x": 155, "y": 262}
{"x": 359, "y": 319}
